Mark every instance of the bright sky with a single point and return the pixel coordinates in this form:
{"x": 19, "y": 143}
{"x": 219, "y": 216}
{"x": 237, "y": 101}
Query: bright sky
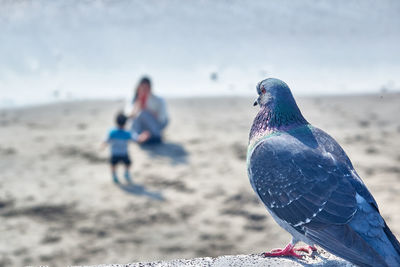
{"x": 98, "y": 49}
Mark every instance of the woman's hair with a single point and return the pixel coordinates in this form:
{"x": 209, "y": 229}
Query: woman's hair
{"x": 143, "y": 80}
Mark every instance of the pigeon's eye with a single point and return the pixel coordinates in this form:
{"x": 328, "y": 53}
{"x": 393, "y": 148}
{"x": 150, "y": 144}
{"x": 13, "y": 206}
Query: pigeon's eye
{"x": 263, "y": 90}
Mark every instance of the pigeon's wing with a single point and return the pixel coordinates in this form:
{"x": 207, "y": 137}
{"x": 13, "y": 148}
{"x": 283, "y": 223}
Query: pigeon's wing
{"x": 310, "y": 191}
{"x": 333, "y": 148}
{"x": 300, "y": 185}
{"x": 371, "y": 228}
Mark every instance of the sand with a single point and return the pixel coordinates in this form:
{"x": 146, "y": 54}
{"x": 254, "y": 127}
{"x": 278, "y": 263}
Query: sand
{"x": 192, "y": 198}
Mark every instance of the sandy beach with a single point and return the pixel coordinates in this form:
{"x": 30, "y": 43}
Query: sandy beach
{"x": 191, "y": 198}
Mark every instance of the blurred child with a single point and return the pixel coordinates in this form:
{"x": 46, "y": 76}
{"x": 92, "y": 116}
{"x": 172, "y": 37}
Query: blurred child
{"x": 118, "y": 139}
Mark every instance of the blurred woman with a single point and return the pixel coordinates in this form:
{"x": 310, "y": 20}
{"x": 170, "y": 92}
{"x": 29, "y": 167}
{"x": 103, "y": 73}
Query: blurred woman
{"x": 149, "y": 114}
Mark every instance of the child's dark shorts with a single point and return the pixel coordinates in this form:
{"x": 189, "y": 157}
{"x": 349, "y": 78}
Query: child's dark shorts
{"x": 117, "y": 159}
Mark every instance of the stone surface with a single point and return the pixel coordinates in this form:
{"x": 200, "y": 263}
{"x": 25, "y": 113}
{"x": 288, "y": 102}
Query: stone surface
{"x": 320, "y": 258}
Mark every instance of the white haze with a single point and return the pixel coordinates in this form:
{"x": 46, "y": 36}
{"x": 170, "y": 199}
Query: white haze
{"x": 52, "y": 50}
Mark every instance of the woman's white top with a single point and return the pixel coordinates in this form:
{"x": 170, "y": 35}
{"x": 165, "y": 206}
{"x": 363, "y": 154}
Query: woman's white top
{"x": 156, "y": 105}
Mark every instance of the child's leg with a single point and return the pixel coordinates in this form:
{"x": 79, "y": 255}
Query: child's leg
{"x": 127, "y": 174}
{"x": 127, "y": 164}
{"x": 114, "y": 173}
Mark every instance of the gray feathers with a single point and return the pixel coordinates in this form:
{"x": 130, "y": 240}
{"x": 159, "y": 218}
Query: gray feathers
{"x": 303, "y": 183}
{"x": 308, "y": 184}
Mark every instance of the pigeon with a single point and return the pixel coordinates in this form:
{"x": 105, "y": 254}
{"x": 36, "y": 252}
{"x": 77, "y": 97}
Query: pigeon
{"x": 309, "y": 185}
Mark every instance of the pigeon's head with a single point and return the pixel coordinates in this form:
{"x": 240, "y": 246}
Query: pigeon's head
{"x": 272, "y": 91}
{"x": 278, "y": 107}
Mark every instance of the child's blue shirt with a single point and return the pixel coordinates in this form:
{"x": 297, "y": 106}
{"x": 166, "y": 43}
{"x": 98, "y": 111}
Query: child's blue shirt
{"x": 118, "y": 140}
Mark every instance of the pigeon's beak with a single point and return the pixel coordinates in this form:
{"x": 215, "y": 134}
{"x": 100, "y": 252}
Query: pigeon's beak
{"x": 255, "y": 102}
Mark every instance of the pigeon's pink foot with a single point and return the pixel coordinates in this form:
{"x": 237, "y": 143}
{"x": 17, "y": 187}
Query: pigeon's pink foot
{"x": 308, "y": 249}
{"x": 289, "y": 250}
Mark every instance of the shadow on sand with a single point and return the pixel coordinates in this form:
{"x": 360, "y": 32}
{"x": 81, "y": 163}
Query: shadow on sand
{"x": 175, "y": 152}
{"x": 140, "y": 190}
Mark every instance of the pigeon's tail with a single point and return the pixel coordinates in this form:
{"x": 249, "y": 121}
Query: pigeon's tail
{"x": 381, "y": 240}
{"x": 378, "y": 230}
{"x": 393, "y": 240}
{"x": 365, "y": 240}
{"x": 369, "y": 224}
{"x": 343, "y": 241}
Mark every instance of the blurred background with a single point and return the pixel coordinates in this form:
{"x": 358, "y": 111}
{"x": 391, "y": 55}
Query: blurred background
{"x": 67, "y": 67}
{"x": 98, "y": 49}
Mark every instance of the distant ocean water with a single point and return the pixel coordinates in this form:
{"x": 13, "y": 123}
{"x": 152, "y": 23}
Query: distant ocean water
{"x": 64, "y": 50}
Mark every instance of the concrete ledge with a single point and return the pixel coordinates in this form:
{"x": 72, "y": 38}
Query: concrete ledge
{"x": 320, "y": 258}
